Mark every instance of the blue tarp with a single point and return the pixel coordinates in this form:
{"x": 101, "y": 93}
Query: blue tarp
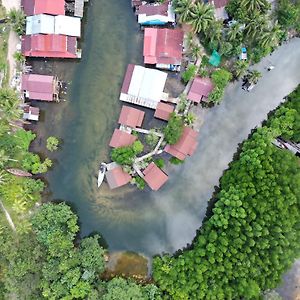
{"x": 215, "y": 59}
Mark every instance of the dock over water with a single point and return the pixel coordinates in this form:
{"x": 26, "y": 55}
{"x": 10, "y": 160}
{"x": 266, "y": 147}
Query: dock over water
{"x": 79, "y": 7}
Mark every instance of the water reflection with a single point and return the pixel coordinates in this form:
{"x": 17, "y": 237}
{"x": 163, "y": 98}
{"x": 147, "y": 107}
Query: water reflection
{"x": 145, "y": 221}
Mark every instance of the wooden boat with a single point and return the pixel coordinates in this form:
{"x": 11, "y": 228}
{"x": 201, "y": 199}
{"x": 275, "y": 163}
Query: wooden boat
{"x": 18, "y": 172}
{"x": 101, "y": 173}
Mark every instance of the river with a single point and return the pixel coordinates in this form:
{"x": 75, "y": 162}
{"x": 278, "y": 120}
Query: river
{"x": 146, "y": 222}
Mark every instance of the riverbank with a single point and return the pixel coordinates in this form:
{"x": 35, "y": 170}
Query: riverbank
{"x": 129, "y": 219}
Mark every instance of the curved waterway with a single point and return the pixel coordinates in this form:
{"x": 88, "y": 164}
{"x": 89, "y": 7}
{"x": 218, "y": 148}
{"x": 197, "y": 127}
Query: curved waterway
{"x": 145, "y": 221}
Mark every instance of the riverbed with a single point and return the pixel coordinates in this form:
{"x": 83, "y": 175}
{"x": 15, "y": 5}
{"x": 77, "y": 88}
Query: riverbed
{"x": 145, "y": 221}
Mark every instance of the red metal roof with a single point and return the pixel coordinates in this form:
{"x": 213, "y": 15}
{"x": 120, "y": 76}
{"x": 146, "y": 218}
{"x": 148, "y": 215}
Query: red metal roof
{"x": 50, "y": 45}
{"x": 201, "y": 87}
{"x": 51, "y": 7}
{"x": 38, "y": 87}
{"x": 163, "y": 46}
{"x": 131, "y": 116}
{"x": 117, "y": 177}
{"x": 186, "y": 145}
{"x": 152, "y": 10}
{"x": 219, "y": 3}
{"x": 155, "y": 177}
{"x": 121, "y": 138}
{"x": 127, "y": 79}
{"x": 163, "y": 111}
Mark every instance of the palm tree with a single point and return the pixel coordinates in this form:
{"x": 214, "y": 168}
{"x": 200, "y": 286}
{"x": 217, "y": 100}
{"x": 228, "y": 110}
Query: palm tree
{"x": 240, "y": 68}
{"x": 4, "y": 127}
{"x": 270, "y": 38}
{"x": 183, "y": 8}
{"x": 256, "y": 24}
{"x": 9, "y": 105}
{"x": 190, "y": 119}
{"x": 255, "y": 5}
{"x": 215, "y": 30}
{"x": 3, "y": 177}
{"x": 196, "y": 51}
{"x": 202, "y": 15}
{"x": 235, "y": 33}
{"x": 17, "y": 20}
{"x": 253, "y": 76}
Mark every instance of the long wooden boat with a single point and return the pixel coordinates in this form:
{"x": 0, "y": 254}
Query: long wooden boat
{"x": 18, "y": 172}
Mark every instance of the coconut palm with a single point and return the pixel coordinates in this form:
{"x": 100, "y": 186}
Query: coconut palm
{"x": 215, "y": 30}
{"x": 235, "y": 33}
{"x": 240, "y": 68}
{"x": 270, "y": 38}
{"x": 196, "y": 51}
{"x": 3, "y": 177}
{"x": 255, "y": 5}
{"x": 9, "y": 105}
{"x": 253, "y": 76}
{"x": 256, "y": 24}
{"x": 4, "y": 158}
{"x": 183, "y": 8}
{"x": 190, "y": 119}
{"x": 17, "y": 21}
{"x": 202, "y": 15}
{"x": 4, "y": 127}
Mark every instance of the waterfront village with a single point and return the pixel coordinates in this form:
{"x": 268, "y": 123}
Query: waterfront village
{"x": 138, "y": 154}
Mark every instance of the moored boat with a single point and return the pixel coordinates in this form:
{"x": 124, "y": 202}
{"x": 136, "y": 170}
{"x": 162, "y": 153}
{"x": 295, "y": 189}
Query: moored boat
{"x": 101, "y": 173}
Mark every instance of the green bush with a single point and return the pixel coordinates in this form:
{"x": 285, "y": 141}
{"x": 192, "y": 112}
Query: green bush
{"x": 52, "y": 143}
{"x": 176, "y": 161}
{"x": 221, "y": 78}
{"x": 189, "y": 73}
{"x": 174, "y": 129}
{"x": 159, "y": 162}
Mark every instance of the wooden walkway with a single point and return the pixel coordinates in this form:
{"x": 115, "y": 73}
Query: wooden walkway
{"x": 79, "y": 7}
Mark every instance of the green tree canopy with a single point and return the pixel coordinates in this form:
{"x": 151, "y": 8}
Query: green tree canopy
{"x": 173, "y": 131}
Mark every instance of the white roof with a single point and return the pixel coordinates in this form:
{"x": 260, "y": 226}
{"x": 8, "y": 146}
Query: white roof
{"x": 67, "y": 25}
{"x": 147, "y": 83}
{"x": 143, "y": 18}
{"x": 47, "y": 24}
{"x": 40, "y": 24}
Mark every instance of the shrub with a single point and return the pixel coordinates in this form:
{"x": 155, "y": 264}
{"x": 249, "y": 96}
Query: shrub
{"x": 221, "y": 78}
{"x": 189, "y": 73}
{"x": 160, "y": 162}
{"x": 174, "y": 129}
{"x": 151, "y": 138}
{"x": 52, "y": 143}
{"x": 176, "y": 161}
{"x": 139, "y": 182}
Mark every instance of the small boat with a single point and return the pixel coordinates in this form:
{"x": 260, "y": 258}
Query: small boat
{"x": 101, "y": 173}
{"x": 18, "y": 172}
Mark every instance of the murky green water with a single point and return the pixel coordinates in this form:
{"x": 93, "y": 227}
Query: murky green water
{"x": 144, "y": 221}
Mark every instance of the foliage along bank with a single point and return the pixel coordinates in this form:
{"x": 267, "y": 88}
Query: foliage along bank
{"x": 253, "y": 236}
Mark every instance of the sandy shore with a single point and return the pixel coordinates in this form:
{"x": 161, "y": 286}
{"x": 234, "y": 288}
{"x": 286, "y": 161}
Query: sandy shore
{"x": 13, "y": 39}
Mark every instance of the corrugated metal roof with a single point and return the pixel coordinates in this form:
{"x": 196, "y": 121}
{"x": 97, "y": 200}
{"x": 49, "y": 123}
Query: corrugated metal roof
{"x": 51, "y": 7}
{"x": 121, "y": 138}
{"x": 163, "y": 46}
{"x": 201, "y": 87}
{"x": 130, "y": 116}
{"x": 155, "y": 177}
{"x": 163, "y": 111}
{"x": 117, "y": 177}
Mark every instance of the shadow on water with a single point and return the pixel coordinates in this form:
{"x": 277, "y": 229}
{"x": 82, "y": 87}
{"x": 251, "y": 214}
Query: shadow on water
{"x": 128, "y": 219}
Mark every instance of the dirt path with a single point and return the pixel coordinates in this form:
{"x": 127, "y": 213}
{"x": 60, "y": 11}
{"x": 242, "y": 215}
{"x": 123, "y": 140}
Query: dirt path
{"x": 13, "y": 39}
